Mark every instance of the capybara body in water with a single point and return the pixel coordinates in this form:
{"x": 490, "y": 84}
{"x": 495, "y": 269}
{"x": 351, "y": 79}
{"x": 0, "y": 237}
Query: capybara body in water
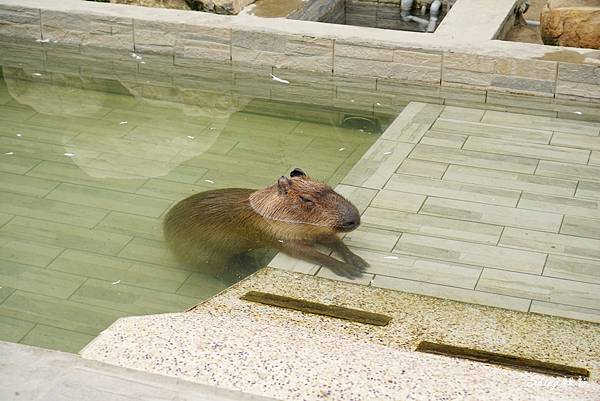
{"x": 208, "y": 228}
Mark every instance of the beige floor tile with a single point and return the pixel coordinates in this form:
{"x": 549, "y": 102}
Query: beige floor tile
{"x": 364, "y": 279}
{"x": 443, "y": 139}
{"x": 413, "y": 122}
{"x": 568, "y": 311}
{"x": 550, "y": 243}
{"x": 285, "y": 262}
{"x": 396, "y": 200}
{"x": 133, "y": 225}
{"x": 540, "y": 288}
{"x": 422, "y": 168}
{"x": 570, "y": 268}
{"x": 24, "y": 185}
{"x": 378, "y": 164}
{"x": 492, "y": 214}
{"x": 150, "y": 251}
{"x": 568, "y": 170}
{"x": 538, "y": 122}
{"x": 13, "y": 163}
{"x": 556, "y": 204}
{"x": 372, "y": 238}
{"x": 419, "y": 269}
{"x": 471, "y": 253}
{"x": 474, "y": 159}
{"x": 26, "y": 252}
{"x": 170, "y": 190}
{"x": 360, "y": 197}
{"x": 458, "y": 294}
{"x": 453, "y": 190}
{"x": 398, "y": 221}
{"x": 511, "y": 180}
{"x": 588, "y": 189}
{"x": 576, "y": 141}
{"x": 492, "y": 131}
{"x": 462, "y": 113}
{"x": 546, "y": 152}
{"x": 594, "y": 158}
{"x": 581, "y": 227}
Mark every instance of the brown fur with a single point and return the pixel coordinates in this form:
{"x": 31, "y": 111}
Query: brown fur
{"x": 209, "y": 227}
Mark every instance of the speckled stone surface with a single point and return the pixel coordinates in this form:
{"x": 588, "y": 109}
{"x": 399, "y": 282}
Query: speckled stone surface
{"x": 290, "y": 355}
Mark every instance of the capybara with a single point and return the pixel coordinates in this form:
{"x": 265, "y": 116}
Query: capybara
{"x": 208, "y": 228}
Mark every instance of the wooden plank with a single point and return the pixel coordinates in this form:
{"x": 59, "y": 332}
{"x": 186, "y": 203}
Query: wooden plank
{"x": 511, "y": 361}
{"x": 301, "y": 305}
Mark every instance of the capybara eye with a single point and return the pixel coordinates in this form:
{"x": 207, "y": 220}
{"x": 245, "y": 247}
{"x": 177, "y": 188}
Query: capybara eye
{"x": 306, "y": 200}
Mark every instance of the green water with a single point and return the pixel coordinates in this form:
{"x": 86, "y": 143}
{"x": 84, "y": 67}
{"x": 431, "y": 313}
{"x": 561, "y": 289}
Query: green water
{"x": 95, "y": 149}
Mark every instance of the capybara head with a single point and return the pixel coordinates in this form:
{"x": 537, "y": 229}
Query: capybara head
{"x": 302, "y": 200}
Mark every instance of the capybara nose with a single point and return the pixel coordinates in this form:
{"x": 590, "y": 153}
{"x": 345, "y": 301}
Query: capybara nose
{"x": 350, "y": 224}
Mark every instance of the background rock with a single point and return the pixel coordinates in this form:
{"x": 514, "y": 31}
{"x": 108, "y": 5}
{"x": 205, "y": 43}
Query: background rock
{"x": 573, "y": 23}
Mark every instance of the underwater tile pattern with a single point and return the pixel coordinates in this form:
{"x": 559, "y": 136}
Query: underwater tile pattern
{"x": 489, "y": 207}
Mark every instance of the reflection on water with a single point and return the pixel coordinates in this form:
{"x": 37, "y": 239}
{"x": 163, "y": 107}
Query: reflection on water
{"x": 96, "y": 148}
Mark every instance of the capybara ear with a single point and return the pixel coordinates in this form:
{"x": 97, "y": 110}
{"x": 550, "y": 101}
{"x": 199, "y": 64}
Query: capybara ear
{"x": 283, "y": 185}
{"x": 297, "y": 173}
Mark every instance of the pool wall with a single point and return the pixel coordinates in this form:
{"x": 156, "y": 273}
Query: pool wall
{"x": 462, "y": 52}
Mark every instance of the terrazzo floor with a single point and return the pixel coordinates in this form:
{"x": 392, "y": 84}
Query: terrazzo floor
{"x": 289, "y": 355}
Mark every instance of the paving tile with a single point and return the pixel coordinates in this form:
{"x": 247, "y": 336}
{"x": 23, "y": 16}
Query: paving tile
{"x": 418, "y": 269}
{"x": 5, "y": 292}
{"x": 372, "y": 238}
{"x": 57, "y": 312}
{"x": 446, "y": 292}
{"x": 76, "y": 175}
{"x": 285, "y": 262}
{"x": 396, "y": 200}
{"x": 38, "y": 280}
{"x": 75, "y": 123}
{"x": 413, "y": 122}
{"x": 437, "y": 138}
{"x": 16, "y": 114}
{"x": 556, "y": 204}
{"x": 471, "y": 253}
{"x": 57, "y": 339}
{"x": 364, "y": 279}
{"x": 360, "y": 197}
{"x": 13, "y": 330}
{"x": 398, "y": 221}
{"x": 115, "y": 269}
{"x": 422, "y": 168}
{"x": 588, "y": 189}
{"x": 568, "y": 170}
{"x": 492, "y": 214}
{"x": 113, "y": 200}
{"x": 44, "y": 151}
{"x": 569, "y": 268}
{"x": 511, "y": 180}
{"x": 27, "y": 252}
{"x": 130, "y": 299}
{"x": 547, "y": 152}
{"x": 462, "y": 113}
{"x": 594, "y": 158}
{"x": 378, "y": 164}
{"x": 581, "y": 227}
{"x": 494, "y": 131}
{"x": 46, "y": 209}
{"x": 132, "y": 225}
{"x": 5, "y": 218}
{"x": 201, "y": 286}
{"x": 13, "y": 163}
{"x": 20, "y": 184}
{"x": 185, "y": 174}
{"x": 540, "y": 288}
{"x": 169, "y": 190}
{"x": 453, "y": 190}
{"x": 150, "y": 251}
{"x": 576, "y": 141}
{"x": 550, "y": 243}
{"x": 567, "y": 311}
{"x": 538, "y": 122}
{"x": 64, "y": 235}
{"x": 473, "y": 159}
{"x": 35, "y": 132}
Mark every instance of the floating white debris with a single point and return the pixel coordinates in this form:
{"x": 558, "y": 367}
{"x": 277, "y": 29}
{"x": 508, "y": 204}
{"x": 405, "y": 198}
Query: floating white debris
{"x": 209, "y": 181}
{"x": 280, "y": 240}
{"x": 378, "y": 104}
{"x": 341, "y": 149}
{"x": 69, "y": 154}
{"x": 19, "y": 134}
{"x": 142, "y": 62}
{"x": 134, "y": 55}
{"x": 390, "y": 257}
{"x": 212, "y": 128}
{"x": 138, "y": 57}
{"x": 36, "y": 74}
{"x": 9, "y": 153}
{"x": 123, "y": 123}
{"x": 277, "y": 79}
{"x": 387, "y": 153}
{"x": 351, "y": 100}
{"x": 191, "y": 137}
{"x": 116, "y": 282}
{"x": 578, "y": 113}
{"x": 42, "y": 40}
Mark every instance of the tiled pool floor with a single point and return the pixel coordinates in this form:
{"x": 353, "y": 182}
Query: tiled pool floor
{"x": 481, "y": 206}
{"x": 80, "y": 217}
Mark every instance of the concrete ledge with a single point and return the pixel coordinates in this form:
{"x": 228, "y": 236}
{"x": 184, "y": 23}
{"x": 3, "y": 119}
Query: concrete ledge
{"x": 456, "y": 55}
